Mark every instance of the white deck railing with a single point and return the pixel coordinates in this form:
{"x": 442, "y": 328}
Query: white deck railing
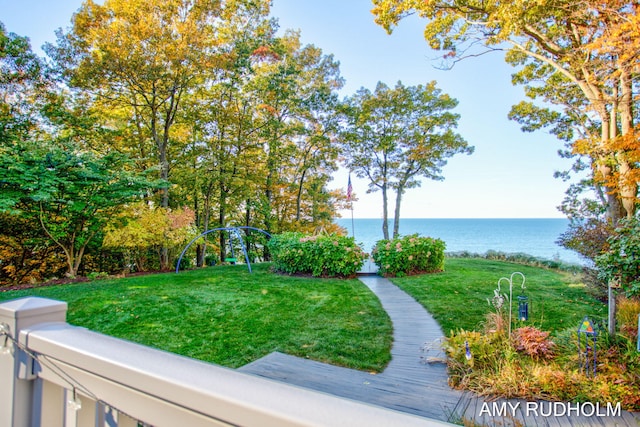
{"x": 55, "y": 374}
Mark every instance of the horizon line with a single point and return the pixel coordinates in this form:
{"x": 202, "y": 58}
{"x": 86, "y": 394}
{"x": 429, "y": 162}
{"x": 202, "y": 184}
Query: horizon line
{"x": 391, "y": 219}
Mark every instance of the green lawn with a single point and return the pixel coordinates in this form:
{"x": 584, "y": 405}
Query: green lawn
{"x": 230, "y": 317}
{"x": 457, "y": 298}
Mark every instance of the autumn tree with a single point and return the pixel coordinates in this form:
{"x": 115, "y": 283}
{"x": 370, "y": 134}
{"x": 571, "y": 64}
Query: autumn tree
{"x": 223, "y": 157}
{"x": 395, "y": 136}
{"x": 141, "y": 56}
{"x": 221, "y": 161}
{"x": 142, "y": 62}
{"x": 589, "y": 49}
{"x": 296, "y": 86}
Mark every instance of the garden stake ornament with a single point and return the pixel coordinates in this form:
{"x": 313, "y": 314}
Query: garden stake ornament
{"x": 587, "y": 353}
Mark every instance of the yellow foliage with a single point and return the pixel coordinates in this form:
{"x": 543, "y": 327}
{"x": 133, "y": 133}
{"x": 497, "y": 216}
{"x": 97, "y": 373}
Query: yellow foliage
{"x": 26, "y": 263}
{"x": 142, "y": 226}
{"x": 628, "y": 310}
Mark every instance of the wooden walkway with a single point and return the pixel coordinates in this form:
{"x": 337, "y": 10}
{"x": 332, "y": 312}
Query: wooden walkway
{"x": 409, "y": 384}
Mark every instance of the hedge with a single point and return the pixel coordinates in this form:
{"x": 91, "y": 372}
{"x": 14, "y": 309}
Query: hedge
{"x": 329, "y": 255}
{"x": 409, "y": 255}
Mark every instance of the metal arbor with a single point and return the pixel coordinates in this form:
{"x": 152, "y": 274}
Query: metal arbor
{"x": 232, "y": 231}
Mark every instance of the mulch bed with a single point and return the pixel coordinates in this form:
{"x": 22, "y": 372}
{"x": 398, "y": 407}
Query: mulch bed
{"x": 69, "y": 280}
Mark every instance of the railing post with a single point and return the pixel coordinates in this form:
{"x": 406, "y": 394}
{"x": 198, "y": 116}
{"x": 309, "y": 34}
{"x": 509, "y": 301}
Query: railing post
{"x": 16, "y": 386}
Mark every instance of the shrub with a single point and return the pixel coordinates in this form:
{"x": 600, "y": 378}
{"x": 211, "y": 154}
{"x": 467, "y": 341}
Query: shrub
{"x": 554, "y": 382}
{"x": 211, "y": 259}
{"x": 25, "y": 254}
{"x": 533, "y": 342}
{"x": 474, "y": 348}
{"x": 628, "y": 312}
{"x": 587, "y": 236}
{"x": 98, "y": 258}
{"x": 621, "y": 263}
{"x": 595, "y": 286}
{"x": 141, "y": 228}
{"x": 185, "y": 263}
{"x": 98, "y": 275}
{"x": 471, "y": 354}
{"x": 409, "y": 255}
{"x": 329, "y": 255}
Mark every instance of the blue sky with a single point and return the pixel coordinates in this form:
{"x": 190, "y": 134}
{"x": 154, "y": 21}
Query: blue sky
{"x": 510, "y": 175}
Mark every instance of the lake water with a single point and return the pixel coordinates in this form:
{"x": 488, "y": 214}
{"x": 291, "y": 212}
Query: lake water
{"x": 535, "y": 237}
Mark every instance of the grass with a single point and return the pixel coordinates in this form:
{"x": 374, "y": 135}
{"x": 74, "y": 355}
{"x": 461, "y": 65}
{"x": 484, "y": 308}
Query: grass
{"x": 230, "y": 317}
{"x": 457, "y": 298}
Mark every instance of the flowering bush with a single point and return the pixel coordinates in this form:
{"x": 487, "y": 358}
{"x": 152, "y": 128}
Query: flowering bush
{"x": 409, "y": 255}
{"x": 321, "y": 256}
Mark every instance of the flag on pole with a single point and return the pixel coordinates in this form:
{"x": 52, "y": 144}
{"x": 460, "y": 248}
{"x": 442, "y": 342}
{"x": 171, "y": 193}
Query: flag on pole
{"x": 349, "y": 189}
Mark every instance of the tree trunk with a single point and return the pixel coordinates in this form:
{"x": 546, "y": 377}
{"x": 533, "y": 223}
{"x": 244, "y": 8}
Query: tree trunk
{"x": 299, "y": 196}
{"x": 628, "y": 186}
{"x": 247, "y": 222}
{"x": 222, "y": 218}
{"x": 621, "y": 195}
{"x": 268, "y": 193}
{"x": 602, "y": 162}
{"x": 385, "y": 214}
{"x": 396, "y": 217}
{"x": 70, "y": 270}
{"x": 68, "y": 251}
{"x": 161, "y": 145}
{"x": 164, "y": 174}
{"x": 205, "y": 226}
{"x": 78, "y": 259}
{"x": 199, "y": 248}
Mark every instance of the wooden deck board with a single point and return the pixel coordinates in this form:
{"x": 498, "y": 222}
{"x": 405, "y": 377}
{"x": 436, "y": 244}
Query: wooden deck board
{"x": 409, "y": 384}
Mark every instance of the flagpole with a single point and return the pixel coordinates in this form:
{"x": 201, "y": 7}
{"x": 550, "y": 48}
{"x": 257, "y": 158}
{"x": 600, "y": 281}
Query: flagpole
{"x": 353, "y": 228}
{"x": 349, "y": 191}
